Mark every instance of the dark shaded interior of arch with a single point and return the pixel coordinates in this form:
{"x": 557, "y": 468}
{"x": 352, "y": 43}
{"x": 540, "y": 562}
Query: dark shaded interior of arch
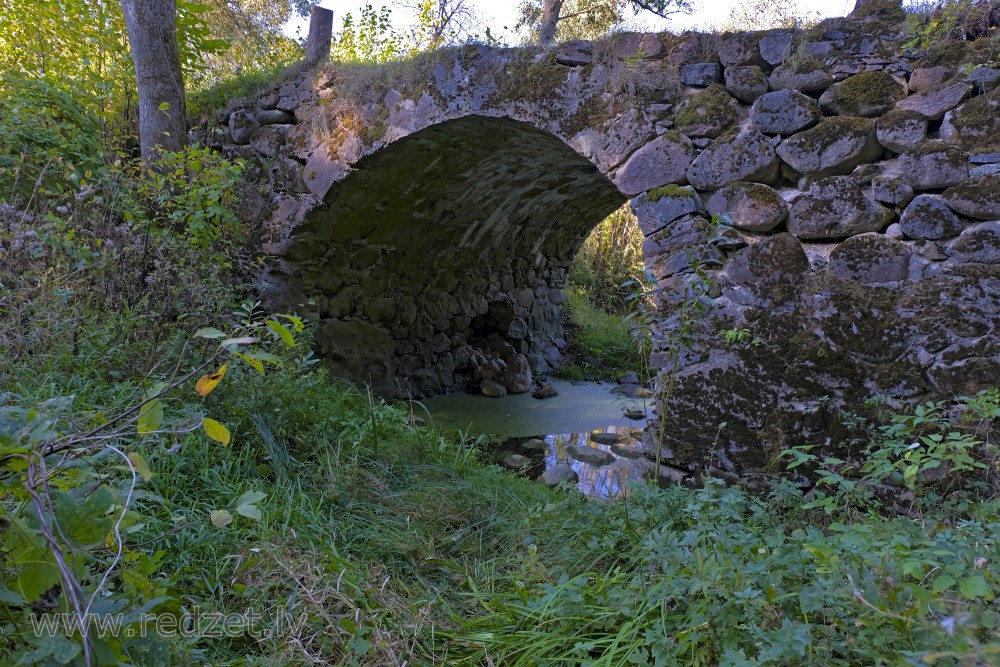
{"x": 455, "y": 237}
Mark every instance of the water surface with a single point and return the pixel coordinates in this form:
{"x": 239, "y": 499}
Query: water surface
{"x": 564, "y": 420}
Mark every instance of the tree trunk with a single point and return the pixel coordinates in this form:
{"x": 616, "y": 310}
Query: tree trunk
{"x": 550, "y": 21}
{"x": 152, "y": 36}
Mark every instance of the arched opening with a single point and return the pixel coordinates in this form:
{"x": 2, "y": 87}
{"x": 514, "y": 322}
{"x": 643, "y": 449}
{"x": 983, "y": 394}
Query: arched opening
{"x": 445, "y": 251}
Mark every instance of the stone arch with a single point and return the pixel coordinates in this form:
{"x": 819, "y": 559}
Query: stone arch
{"x": 866, "y": 258}
{"x": 479, "y": 218}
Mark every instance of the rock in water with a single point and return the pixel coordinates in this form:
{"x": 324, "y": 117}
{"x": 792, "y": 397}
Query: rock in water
{"x": 534, "y": 445}
{"x": 591, "y": 455}
{"x": 517, "y": 377}
{"x": 545, "y": 391}
{"x": 516, "y": 461}
{"x": 492, "y": 388}
{"x": 627, "y": 451}
{"x": 607, "y": 438}
{"x": 561, "y": 472}
{"x": 632, "y": 391}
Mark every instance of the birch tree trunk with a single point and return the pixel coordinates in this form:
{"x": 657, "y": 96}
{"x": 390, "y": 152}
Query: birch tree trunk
{"x": 550, "y": 21}
{"x": 152, "y": 36}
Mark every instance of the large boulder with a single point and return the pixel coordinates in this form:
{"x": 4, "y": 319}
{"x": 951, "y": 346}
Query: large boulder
{"x": 741, "y": 49}
{"x": 773, "y": 267}
{"x": 663, "y": 160}
{"x": 923, "y": 79}
{"x": 701, "y": 75}
{"x": 901, "y": 130}
{"x": 561, "y": 472}
{"x": 979, "y": 243}
{"x": 891, "y": 190}
{"x": 517, "y": 377}
{"x": 835, "y": 208}
{"x": 671, "y": 250}
{"x": 934, "y": 165}
{"x": 784, "y": 112}
{"x": 870, "y": 259}
{"x": 738, "y": 156}
{"x": 934, "y": 103}
{"x": 832, "y": 148}
{"x": 776, "y": 45}
{"x": 707, "y": 113}
{"x": 752, "y": 207}
{"x": 928, "y": 217}
{"x": 868, "y": 94}
{"x": 659, "y": 207}
{"x": 976, "y": 198}
{"x": 746, "y": 83}
{"x": 974, "y": 125}
{"x": 805, "y": 76}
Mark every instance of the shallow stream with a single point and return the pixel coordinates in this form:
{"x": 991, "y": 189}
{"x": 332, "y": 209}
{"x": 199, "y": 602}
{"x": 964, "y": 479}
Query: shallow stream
{"x": 562, "y": 422}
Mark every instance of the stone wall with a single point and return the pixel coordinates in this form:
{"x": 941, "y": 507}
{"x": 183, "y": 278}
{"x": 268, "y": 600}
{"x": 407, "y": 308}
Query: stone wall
{"x": 425, "y": 215}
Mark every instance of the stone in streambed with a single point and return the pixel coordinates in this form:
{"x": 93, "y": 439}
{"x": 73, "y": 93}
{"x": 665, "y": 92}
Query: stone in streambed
{"x": 591, "y": 455}
{"x": 516, "y": 461}
{"x": 607, "y": 437}
{"x": 561, "y": 472}
{"x": 545, "y": 391}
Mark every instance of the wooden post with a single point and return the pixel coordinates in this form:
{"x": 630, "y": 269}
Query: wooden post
{"x": 320, "y": 36}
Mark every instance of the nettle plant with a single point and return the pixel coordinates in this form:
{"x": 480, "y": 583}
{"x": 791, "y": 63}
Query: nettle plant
{"x": 71, "y": 494}
{"x": 192, "y": 191}
{"x": 920, "y": 453}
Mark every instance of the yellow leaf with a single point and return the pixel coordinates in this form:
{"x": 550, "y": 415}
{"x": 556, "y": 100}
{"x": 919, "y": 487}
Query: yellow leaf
{"x": 283, "y": 333}
{"x": 140, "y": 465}
{"x": 259, "y": 367}
{"x": 207, "y": 383}
{"x": 216, "y": 431}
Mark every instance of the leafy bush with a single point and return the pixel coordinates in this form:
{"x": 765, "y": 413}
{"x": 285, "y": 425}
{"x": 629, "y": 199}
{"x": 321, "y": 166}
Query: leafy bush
{"x": 48, "y": 140}
{"x": 910, "y": 462}
{"x": 193, "y": 191}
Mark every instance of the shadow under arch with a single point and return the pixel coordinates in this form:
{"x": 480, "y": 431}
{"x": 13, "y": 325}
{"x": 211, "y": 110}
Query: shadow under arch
{"x": 451, "y": 240}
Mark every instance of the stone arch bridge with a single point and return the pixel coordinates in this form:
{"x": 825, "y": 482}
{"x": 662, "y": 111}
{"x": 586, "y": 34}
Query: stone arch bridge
{"x": 425, "y": 214}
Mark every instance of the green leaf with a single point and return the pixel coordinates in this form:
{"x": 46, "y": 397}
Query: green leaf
{"x": 246, "y": 507}
{"x": 35, "y": 578}
{"x": 209, "y": 332}
{"x": 975, "y": 587}
{"x": 83, "y": 516}
{"x": 216, "y": 431}
{"x": 164, "y": 106}
{"x": 10, "y": 597}
{"x": 64, "y": 649}
{"x": 942, "y": 583}
{"x": 282, "y": 331}
{"x": 221, "y": 518}
{"x": 150, "y": 417}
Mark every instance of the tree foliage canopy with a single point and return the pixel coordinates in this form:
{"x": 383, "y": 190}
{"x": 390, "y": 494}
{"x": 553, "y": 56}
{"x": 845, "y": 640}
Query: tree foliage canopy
{"x": 591, "y": 19}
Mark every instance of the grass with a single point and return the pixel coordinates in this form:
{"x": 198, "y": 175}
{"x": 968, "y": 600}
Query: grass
{"x": 602, "y": 346}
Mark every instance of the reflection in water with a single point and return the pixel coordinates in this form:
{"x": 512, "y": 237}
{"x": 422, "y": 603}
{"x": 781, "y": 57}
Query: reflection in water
{"x": 599, "y": 481}
{"x": 570, "y": 416}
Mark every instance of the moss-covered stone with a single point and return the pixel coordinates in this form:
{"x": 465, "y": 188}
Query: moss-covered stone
{"x": 975, "y": 124}
{"x": 707, "y": 113}
{"x": 901, "y": 130}
{"x": 868, "y": 94}
{"x": 834, "y": 147}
